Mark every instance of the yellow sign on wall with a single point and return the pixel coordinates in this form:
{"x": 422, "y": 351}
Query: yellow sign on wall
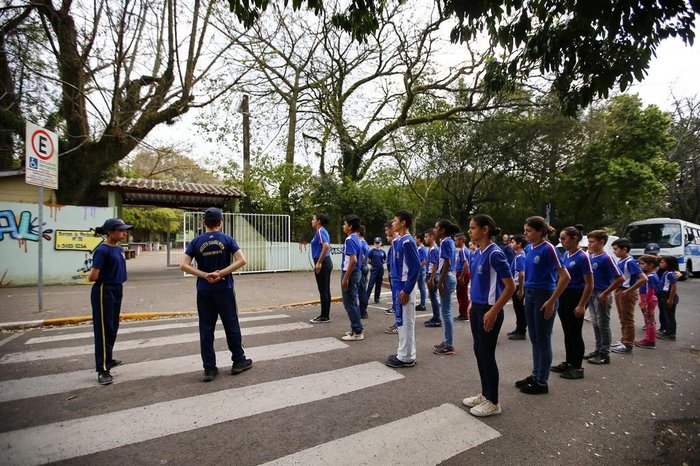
{"x": 77, "y": 240}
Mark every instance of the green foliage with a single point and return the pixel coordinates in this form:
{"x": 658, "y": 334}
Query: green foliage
{"x": 155, "y": 220}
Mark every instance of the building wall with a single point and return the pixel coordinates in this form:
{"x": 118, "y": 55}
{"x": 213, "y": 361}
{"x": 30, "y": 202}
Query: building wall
{"x": 19, "y": 251}
{"x": 14, "y": 189}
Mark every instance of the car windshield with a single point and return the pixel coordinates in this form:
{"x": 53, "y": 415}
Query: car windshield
{"x": 666, "y": 235}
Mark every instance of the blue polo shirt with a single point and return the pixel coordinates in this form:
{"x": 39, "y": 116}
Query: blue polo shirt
{"x": 541, "y": 265}
{"x": 517, "y": 266}
{"x": 462, "y": 259}
{"x": 351, "y": 247}
{"x": 111, "y": 262}
{"x": 405, "y": 265}
{"x": 423, "y": 256}
{"x": 488, "y": 270}
{"x": 447, "y": 252}
{"x": 652, "y": 284}
{"x": 579, "y": 265}
{"x": 630, "y": 269}
{"x": 213, "y": 251}
{"x": 433, "y": 257}
{"x": 364, "y": 248}
{"x": 376, "y": 258}
{"x": 605, "y": 271}
{"x": 668, "y": 279}
{"x": 321, "y": 236}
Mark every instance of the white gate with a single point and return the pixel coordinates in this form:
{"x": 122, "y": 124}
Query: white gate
{"x": 263, "y": 238}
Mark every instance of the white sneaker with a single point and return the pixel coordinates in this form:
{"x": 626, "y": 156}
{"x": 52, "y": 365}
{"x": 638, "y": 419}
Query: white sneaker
{"x": 486, "y": 409}
{"x": 354, "y": 336}
{"x": 619, "y": 346}
{"x": 474, "y": 400}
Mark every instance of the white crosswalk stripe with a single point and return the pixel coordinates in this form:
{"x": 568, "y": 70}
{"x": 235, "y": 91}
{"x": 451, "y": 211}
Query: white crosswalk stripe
{"x": 87, "y": 425}
{"x": 31, "y": 387}
{"x": 77, "y": 437}
{"x": 428, "y": 437}
{"x": 148, "y": 328}
{"x": 40, "y": 355}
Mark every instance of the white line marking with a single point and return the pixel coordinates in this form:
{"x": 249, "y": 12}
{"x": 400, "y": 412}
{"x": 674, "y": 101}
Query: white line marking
{"x": 428, "y": 437}
{"x": 144, "y": 328}
{"x": 10, "y": 338}
{"x": 83, "y": 436}
{"x": 55, "y": 353}
{"x": 31, "y": 387}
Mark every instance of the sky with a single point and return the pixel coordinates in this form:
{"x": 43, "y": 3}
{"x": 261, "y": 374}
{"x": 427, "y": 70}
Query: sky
{"x": 675, "y": 71}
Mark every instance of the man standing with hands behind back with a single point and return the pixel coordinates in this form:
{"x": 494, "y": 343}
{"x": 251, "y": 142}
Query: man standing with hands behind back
{"x": 217, "y": 256}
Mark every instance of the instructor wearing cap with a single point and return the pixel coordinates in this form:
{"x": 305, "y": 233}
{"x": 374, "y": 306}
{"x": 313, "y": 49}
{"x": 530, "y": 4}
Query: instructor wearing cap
{"x": 217, "y": 255}
{"x": 109, "y": 273}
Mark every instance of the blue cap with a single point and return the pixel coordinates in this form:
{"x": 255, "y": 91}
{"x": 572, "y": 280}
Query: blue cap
{"x": 115, "y": 224}
{"x": 213, "y": 214}
{"x": 652, "y": 248}
{"x": 377, "y": 240}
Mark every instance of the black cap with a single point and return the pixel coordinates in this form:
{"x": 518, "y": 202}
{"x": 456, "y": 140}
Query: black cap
{"x": 652, "y": 248}
{"x": 377, "y": 240}
{"x": 213, "y": 214}
{"x": 115, "y": 224}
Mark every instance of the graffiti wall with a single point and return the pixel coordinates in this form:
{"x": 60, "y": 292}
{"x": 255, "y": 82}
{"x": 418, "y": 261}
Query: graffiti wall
{"x": 67, "y": 242}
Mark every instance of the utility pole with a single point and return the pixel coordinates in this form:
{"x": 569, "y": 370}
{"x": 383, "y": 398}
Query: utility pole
{"x": 245, "y": 110}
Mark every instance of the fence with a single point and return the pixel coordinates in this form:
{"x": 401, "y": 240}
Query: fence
{"x": 263, "y": 238}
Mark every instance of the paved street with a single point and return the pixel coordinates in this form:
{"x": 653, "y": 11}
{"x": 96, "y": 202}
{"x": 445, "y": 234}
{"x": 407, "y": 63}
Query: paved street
{"x": 313, "y": 399}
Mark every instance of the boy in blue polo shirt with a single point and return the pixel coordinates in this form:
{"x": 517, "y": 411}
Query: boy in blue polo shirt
{"x": 627, "y": 295}
{"x": 423, "y": 256}
{"x": 213, "y": 251}
{"x": 376, "y": 259}
{"x": 430, "y": 278}
{"x": 405, "y": 269}
{"x": 350, "y": 277}
{"x": 362, "y": 295}
{"x": 606, "y": 278}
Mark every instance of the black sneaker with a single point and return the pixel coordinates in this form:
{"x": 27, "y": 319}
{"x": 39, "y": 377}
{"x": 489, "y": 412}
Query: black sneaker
{"x": 560, "y": 367}
{"x": 433, "y": 323}
{"x": 665, "y": 336}
{"x": 516, "y": 336}
{"x": 535, "y": 388}
{"x": 599, "y": 360}
{"x": 104, "y": 378}
{"x": 364, "y": 315}
{"x": 376, "y": 301}
{"x": 320, "y": 320}
{"x": 209, "y": 374}
{"x": 420, "y": 308}
{"x": 115, "y": 362}
{"x": 461, "y": 319}
{"x": 590, "y": 355}
{"x": 241, "y": 366}
{"x": 525, "y": 381}
{"x": 393, "y": 361}
{"x": 514, "y": 332}
{"x": 389, "y": 312}
{"x": 572, "y": 373}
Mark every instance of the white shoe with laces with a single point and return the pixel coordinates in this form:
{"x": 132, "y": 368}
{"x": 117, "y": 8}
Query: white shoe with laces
{"x": 486, "y": 409}
{"x": 474, "y": 400}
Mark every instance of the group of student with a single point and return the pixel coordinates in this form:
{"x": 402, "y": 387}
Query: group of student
{"x": 540, "y": 281}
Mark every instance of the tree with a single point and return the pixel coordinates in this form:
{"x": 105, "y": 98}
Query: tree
{"x": 684, "y": 191}
{"x": 166, "y": 163}
{"x": 120, "y": 69}
{"x": 589, "y": 47}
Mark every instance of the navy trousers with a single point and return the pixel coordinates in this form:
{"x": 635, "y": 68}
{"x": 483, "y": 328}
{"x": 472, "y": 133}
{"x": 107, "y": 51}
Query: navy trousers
{"x": 106, "y": 300}
{"x": 210, "y": 305}
{"x": 376, "y": 276}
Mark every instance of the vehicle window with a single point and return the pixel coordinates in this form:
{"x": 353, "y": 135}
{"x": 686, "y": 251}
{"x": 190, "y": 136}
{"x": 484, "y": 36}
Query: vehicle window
{"x": 666, "y": 235}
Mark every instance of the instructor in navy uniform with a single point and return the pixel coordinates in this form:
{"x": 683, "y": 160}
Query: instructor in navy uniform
{"x": 217, "y": 256}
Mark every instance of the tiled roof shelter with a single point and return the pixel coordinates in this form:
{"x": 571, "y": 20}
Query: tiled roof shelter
{"x": 167, "y": 193}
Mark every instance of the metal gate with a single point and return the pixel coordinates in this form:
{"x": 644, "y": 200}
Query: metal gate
{"x": 263, "y": 238}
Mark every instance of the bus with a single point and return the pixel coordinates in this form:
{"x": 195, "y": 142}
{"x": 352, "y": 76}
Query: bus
{"x": 675, "y": 238}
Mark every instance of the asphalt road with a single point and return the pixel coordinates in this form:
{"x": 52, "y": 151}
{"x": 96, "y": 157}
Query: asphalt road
{"x": 641, "y": 409}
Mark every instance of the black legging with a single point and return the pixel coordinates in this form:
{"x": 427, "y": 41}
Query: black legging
{"x": 669, "y": 312}
{"x": 572, "y": 326}
{"x": 520, "y": 321}
{"x": 485, "y": 350}
{"x": 323, "y": 280}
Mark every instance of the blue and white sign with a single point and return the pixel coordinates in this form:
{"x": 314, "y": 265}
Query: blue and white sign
{"x": 41, "y": 148}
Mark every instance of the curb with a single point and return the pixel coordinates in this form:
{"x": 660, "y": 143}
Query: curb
{"x": 61, "y": 321}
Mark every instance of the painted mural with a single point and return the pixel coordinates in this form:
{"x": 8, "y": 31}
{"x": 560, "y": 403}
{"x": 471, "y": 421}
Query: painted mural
{"x": 68, "y": 239}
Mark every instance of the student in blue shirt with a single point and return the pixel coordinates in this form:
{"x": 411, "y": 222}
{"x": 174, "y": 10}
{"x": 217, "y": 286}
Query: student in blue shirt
{"x": 462, "y": 260}
{"x": 491, "y": 288}
{"x": 430, "y": 278}
{"x": 405, "y": 268}
{"x": 391, "y": 236}
{"x": 217, "y": 256}
{"x": 376, "y": 257}
{"x": 323, "y": 265}
{"x": 517, "y": 269}
{"x": 364, "y": 269}
{"x": 109, "y": 274}
{"x": 423, "y": 256}
{"x": 545, "y": 281}
{"x": 572, "y": 302}
{"x": 350, "y": 277}
{"x": 627, "y": 294}
{"x": 606, "y": 279}
{"x": 446, "y": 282}
{"x": 668, "y": 297}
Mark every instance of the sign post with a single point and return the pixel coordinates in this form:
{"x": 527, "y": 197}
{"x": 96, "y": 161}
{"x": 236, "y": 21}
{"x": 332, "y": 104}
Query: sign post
{"x": 41, "y": 169}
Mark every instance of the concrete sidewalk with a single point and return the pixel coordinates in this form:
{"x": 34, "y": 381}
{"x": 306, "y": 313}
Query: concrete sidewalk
{"x": 154, "y": 290}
